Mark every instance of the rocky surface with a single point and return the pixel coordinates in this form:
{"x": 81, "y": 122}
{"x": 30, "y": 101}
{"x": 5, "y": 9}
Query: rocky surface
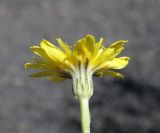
{"x": 118, "y": 106}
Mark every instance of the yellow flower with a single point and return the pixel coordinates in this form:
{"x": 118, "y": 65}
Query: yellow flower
{"x": 87, "y": 58}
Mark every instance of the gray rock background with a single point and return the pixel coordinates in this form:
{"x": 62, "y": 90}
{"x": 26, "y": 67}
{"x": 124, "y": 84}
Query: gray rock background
{"x": 118, "y": 106}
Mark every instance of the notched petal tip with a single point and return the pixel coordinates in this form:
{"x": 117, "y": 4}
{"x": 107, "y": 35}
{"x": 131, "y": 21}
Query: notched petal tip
{"x": 129, "y": 58}
{"x": 44, "y": 43}
{"x": 124, "y": 41}
{"x": 59, "y": 39}
{"x": 118, "y": 44}
{"x": 26, "y": 65}
{"x": 90, "y": 35}
{"x": 44, "y": 40}
{"x": 34, "y": 47}
{"x": 64, "y": 46}
{"x": 101, "y": 39}
{"x": 89, "y": 38}
{"x": 124, "y": 58}
{"x": 108, "y": 73}
{"x": 119, "y": 75}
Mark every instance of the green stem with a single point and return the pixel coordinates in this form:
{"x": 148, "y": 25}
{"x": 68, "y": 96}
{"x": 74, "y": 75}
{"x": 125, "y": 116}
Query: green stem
{"x": 85, "y": 115}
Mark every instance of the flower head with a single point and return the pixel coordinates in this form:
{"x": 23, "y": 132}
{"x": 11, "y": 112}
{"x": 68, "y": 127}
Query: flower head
{"x": 87, "y": 58}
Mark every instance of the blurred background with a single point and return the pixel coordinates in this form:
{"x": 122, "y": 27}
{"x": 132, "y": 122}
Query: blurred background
{"x": 31, "y": 105}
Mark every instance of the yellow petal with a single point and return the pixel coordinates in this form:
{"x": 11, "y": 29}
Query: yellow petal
{"x": 108, "y": 73}
{"x": 49, "y": 73}
{"x": 118, "y": 44}
{"x": 117, "y": 63}
{"x": 42, "y": 74}
{"x": 64, "y": 46}
{"x": 41, "y": 61}
{"x": 107, "y": 54}
{"x": 97, "y": 46}
{"x": 113, "y": 50}
{"x": 57, "y": 78}
{"x": 79, "y": 48}
{"x": 38, "y": 66}
{"x": 84, "y": 47}
{"x": 45, "y": 42}
{"x": 39, "y": 51}
{"x": 89, "y": 43}
{"x": 42, "y": 53}
{"x": 53, "y": 52}
{"x": 101, "y": 57}
{"x": 118, "y": 47}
